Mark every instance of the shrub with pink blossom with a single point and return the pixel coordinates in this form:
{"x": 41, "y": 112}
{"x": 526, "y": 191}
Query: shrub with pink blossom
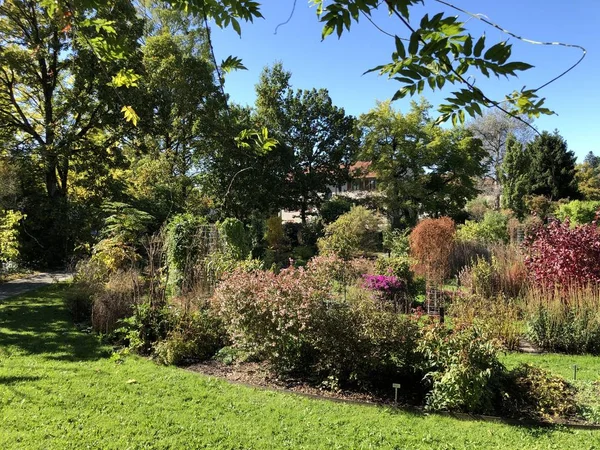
{"x": 273, "y": 316}
{"x": 386, "y": 284}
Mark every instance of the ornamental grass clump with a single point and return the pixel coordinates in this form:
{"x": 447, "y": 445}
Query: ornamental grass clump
{"x": 565, "y": 319}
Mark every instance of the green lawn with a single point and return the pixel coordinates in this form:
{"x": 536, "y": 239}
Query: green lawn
{"x": 588, "y": 367}
{"x": 59, "y": 389}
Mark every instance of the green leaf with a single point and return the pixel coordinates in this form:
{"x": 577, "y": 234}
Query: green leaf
{"x": 401, "y": 93}
{"x": 236, "y": 26}
{"x": 400, "y": 48}
{"x": 232, "y": 63}
{"x": 440, "y": 81}
{"x": 435, "y": 20}
{"x": 404, "y": 80}
{"x": 403, "y": 9}
{"x": 125, "y": 77}
{"x": 479, "y": 46}
{"x": 451, "y": 29}
{"x": 468, "y": 46}
{"x": 411, "y": 74}
{"x": 413, "y": 45}
{"x": 327, "y": 30}
{"x": 496, "y": 52}
{"x": 374, "y": 69}
{"x": 511, "y": 67}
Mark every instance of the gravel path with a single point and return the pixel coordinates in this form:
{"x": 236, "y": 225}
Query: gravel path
{"x": 22, "y": 285}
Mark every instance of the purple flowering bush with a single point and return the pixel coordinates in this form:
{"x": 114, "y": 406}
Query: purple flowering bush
{"x": 386, "y": 284}
{"x": 390, "y": 289}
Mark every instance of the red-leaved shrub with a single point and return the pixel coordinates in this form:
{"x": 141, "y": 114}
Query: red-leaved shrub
{"x": 558, "y": 255}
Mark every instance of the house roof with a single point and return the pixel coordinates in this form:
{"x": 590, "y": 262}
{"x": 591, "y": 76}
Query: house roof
{"x": 362, "y": 169}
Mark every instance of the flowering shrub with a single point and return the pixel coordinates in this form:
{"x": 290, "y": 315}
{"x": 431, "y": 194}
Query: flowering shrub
{"x": 558, "y": 255}
{"x": 386, "y": 284}
{"x": 292, "y": 321}
{"x": 273, "y": 316}
{"x": 389, "y": 289}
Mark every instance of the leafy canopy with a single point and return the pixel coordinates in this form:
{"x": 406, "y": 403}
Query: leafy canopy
{"x": 440, "y": 50}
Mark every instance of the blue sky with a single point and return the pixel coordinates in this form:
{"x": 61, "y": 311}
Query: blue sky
{"x": 338, "y": 65}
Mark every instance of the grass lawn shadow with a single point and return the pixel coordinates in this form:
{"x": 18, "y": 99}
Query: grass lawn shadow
{"x": 38, "y": 323}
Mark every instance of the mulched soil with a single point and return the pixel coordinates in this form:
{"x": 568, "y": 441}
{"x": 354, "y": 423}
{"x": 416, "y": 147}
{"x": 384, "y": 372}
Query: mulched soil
{"x": 258, "y": 375}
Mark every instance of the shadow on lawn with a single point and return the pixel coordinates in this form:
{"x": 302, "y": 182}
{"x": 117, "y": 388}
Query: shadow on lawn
{"x": 39, "y": 323}
{"x": 18, "y": 379}
{"x": 529, "y": 427}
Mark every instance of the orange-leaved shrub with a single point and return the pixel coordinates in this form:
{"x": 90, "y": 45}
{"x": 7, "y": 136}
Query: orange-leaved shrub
{"x": 431, "y": 245}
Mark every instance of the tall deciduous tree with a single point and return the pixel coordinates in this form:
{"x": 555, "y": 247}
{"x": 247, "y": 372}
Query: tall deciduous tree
{"x": 244, "y": 182}
{"x": 183, "y": 116}
{"x": 588, "y": 177}
{"x": 494, "y": 128}
{"x": 588, "y": 180}
{"x": 53, "y": 85}
{"x": 56, "y": 99}
{"x": 421, "y": 169}
{"x": 320, "y": 135}
{"x": 323, "y": 139}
